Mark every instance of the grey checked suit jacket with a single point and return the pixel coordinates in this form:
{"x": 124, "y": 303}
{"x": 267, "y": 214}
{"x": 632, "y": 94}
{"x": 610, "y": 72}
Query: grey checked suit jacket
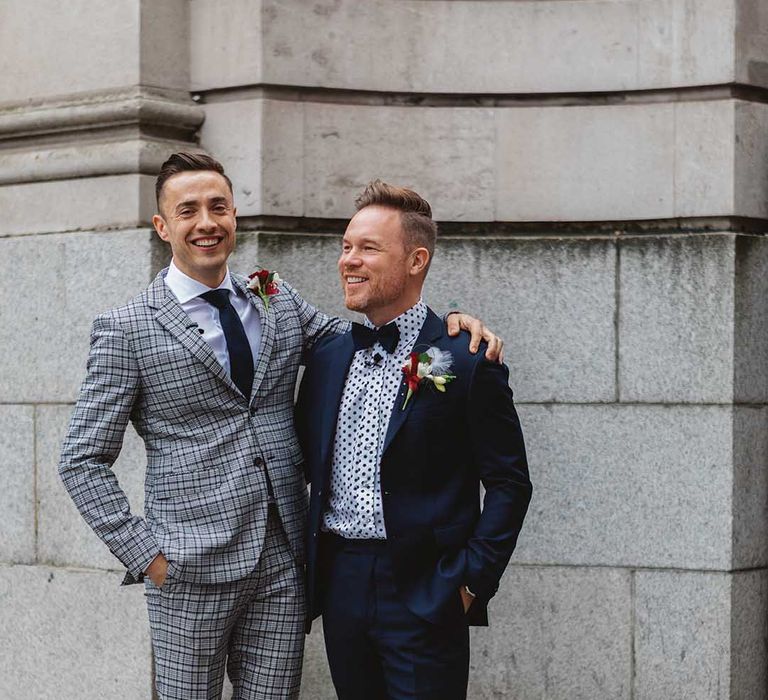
{"x": 209, "y": 448}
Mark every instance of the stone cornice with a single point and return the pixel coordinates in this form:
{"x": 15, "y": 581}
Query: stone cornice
{"x": 175, "y": 113}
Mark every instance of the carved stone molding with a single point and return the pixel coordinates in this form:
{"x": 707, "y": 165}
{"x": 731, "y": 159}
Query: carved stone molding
{"x": 107, "y": 133}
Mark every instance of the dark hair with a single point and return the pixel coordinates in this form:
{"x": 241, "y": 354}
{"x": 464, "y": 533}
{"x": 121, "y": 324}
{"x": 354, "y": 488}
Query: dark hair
{"x": 182, "y": 162}
{"x": 419, "y": 230}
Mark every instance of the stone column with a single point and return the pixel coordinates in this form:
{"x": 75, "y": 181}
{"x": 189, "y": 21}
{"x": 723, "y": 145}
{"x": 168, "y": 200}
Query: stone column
{"x": 93, "y": 95}
{"x": 599, "y": 169}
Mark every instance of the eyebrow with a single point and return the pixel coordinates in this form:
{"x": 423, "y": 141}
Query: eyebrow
{"x": 196, "y": 202}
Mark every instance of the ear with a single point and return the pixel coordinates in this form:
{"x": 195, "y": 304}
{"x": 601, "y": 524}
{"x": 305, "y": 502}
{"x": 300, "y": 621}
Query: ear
{"x": 419, "y": 261}
{"x": 159, "y": 223}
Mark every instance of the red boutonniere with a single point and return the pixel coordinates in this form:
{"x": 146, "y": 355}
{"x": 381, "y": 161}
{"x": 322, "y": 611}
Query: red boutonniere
{"x": 432, "y": 366}
{"x": 264, "y": 283}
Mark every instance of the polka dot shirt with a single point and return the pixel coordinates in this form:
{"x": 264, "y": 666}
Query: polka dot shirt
{"x": 354, "y": 503}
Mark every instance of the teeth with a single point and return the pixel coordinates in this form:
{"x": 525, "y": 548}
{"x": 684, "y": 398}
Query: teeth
{"x": 207, "y": 243}
{"x": 355, "y": 279}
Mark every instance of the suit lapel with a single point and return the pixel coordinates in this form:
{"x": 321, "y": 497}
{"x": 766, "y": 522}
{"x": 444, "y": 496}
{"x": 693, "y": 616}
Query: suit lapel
{"x": 340, "y": 353}
{"x": 432, "y": 329}
{"x": 268, "y": 330}
{"x": 172, "y": 317}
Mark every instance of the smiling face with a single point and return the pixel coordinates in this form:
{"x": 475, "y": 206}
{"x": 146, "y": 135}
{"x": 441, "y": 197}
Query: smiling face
{"x": 197, "y": 218}
{"x": 380, "y": 278}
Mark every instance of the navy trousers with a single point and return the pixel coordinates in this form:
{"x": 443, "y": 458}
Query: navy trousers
{"x": 377, "y": 648}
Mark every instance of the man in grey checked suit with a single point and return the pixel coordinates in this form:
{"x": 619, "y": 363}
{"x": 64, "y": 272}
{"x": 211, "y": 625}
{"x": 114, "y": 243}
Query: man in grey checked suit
{"x": 205, "y": 370}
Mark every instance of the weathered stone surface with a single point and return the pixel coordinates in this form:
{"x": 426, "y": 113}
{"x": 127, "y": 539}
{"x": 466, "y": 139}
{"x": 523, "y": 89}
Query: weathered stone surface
{"x": 750, "y": 487}
{"x": 164, "y": 40}
{"x": 103, "y": 158}
{"x": 17, "y": 496}
{"x": 316, "y": 681}
{"x": 752, "y": 42}
{"x": 555, "y": 633}
{"x": 676, "y": 341}
{"x": 551, "y": 301}
{"x": 750, "y": 328}
{"x": 749, "y": 634}
{"x": 612, "y": 482}
{"x": 67, "y": 279}
{"x": 705, "y": 146}
{"x": 751, "y": 177}
{"x": 533, "y": 46}
{"x": 700, "y": 635}
{"x": 416, "y": 147}
{"x": 38, "y": 63}
{"x": 261, "y": 143}
{"x": 113, "y": 201}
{"x": 64, "y": 538}
{"x": 548, "y": 163}
{"x": 135, "y": 42}
{"x": 72, "y": 634}
{"x": 311, "y": 159}
{"x": 615, "y": 162}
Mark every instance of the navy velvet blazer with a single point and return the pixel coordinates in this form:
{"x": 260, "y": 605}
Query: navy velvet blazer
{"x": 436, "y": 454}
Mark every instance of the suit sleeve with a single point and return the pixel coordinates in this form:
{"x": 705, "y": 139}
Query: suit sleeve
{"x": 499, "y": 450}
{"x": 314, "y": 323}
{"x": 93, "y": 442}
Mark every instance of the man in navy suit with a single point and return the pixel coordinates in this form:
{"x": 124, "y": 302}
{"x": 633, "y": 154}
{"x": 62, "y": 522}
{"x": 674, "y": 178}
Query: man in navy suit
{"x": 400, "y": 424}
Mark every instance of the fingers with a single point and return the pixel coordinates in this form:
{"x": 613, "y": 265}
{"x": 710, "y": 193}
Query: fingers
{"x": 453, "y": 323}
{"x": 477, "y": 331}
{"x": 495, "y": 351}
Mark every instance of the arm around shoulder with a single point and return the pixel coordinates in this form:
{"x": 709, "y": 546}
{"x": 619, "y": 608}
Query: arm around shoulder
{"x": 314, "y": 323}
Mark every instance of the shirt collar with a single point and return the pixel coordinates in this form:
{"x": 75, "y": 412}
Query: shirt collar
{"x": 185, "y": 288}
{"x": 414, "y": 317}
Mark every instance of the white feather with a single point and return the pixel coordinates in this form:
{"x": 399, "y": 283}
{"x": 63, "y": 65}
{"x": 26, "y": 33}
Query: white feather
{"x": 441, "y": 361}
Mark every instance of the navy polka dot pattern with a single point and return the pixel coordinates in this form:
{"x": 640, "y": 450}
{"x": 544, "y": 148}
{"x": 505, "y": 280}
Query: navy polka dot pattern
{"x": 354, "y": 502}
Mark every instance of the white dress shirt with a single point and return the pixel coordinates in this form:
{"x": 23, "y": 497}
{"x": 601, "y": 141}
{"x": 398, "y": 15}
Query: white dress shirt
{"x": 206, "y": 316}
{"x": 354, "y": 502}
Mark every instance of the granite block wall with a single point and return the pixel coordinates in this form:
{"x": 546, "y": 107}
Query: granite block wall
{"x": 599, "y": 170}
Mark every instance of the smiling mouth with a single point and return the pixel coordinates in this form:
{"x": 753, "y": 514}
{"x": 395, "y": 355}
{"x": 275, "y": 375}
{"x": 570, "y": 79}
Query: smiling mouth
{"x": 207, "y": 242}
{"x": 352, "y": 280}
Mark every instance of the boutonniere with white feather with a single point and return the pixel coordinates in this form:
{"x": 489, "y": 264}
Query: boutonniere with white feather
{"x": 430, "y": 367}
{"x": 264, "y": 283}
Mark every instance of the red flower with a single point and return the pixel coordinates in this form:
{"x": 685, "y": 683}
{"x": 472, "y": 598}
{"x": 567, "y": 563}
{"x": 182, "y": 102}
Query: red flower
{"x": 264, "y": 283}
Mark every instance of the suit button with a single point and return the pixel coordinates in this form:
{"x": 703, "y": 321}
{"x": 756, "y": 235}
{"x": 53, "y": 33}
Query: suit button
{"x": 314, "y": 534}
{"x": 386, "y": 493}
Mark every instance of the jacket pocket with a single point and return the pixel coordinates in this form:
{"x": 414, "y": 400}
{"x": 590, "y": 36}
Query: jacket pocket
{"x": 178, "y": 484}
{"x": 451, "y": 537}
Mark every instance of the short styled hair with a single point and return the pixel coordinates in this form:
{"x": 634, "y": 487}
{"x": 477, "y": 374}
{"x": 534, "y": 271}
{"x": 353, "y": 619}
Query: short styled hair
{"x": 183, "y": 162}
{"x": 419, "y": 230}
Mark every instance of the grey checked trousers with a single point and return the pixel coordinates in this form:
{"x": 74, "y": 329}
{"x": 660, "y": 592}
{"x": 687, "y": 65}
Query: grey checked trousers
{"x": 253, "y": 627}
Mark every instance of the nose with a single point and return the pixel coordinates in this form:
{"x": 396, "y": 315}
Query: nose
{"x": 206, "y": 221}
{"x": 349, "y": 259}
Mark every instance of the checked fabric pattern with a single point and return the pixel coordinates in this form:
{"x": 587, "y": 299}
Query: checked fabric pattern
{"x": 257, "y": 622}
{"x": 209, "y": 449}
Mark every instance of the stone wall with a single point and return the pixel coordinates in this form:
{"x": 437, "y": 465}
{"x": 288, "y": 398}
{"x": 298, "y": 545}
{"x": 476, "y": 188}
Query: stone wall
{"x": 600, "y": 172}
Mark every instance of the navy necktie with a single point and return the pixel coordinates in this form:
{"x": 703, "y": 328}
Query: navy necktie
{"x": 238, "y": 347}
{"x": 388, "y": 336}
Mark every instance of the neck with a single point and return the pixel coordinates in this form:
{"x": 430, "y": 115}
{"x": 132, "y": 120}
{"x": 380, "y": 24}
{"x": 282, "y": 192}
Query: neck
{"x": 381, "y": 317}
{"x": 210, "y": 278}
